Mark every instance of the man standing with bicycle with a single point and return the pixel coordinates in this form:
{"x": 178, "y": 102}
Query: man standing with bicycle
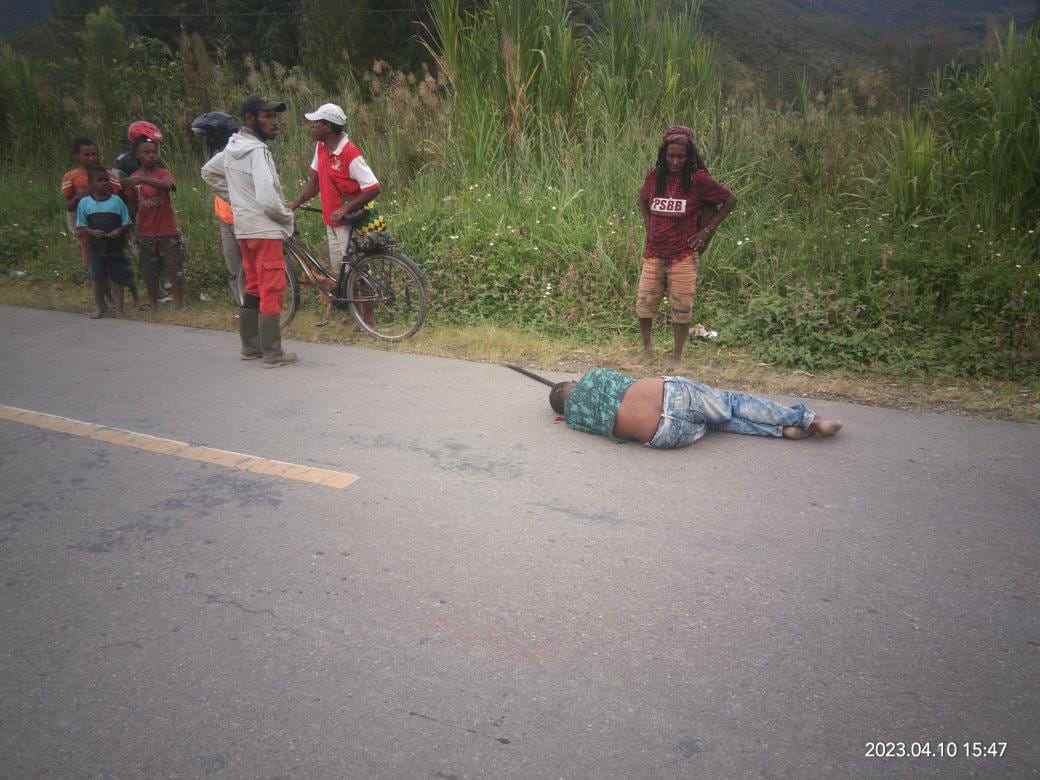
{"x": 244, "y": 174}
{"x": 341, "y": 175}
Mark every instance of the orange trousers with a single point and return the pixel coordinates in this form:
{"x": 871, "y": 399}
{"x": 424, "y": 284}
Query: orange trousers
{"x": 263, "y": 263}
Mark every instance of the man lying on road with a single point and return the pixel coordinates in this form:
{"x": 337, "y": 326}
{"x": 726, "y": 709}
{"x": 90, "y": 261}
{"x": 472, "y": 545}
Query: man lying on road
{"x": 672, "y": 411}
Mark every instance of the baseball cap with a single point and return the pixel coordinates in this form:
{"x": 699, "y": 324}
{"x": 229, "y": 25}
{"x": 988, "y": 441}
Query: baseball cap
{"x": 330, "y": 112}
{"x": 254, "y": 105}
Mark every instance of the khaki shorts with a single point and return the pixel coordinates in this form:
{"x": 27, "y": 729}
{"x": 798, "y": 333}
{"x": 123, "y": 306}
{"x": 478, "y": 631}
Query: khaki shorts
{"x": 679, "y": 277}
{"x": 161, "y": 253}
{"x": 339, "y": 240}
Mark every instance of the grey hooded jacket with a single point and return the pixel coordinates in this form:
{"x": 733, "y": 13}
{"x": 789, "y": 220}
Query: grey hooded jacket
{"x": 244, "y": 174}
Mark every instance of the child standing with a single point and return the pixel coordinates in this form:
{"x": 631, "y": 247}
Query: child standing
{"x": 157, "y": 236}
{"x": 102, "y": 219}
{"x": 682, "y": 206}
{"x": 75, "y": 186}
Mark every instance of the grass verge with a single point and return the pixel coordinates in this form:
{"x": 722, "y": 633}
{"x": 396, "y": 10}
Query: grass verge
{"x": 706, "y": 361}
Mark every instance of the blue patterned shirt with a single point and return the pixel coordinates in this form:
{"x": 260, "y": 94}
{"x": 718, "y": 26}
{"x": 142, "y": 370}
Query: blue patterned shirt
{"x": 593, "y": 404}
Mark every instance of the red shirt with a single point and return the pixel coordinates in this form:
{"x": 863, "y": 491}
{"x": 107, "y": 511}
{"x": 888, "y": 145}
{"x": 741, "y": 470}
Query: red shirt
{"x": 155, "y": 215}
{"x": 675, "y": 215}
{"x": 342, "y": 174}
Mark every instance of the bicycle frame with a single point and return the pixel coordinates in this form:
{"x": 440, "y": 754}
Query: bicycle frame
{"x": 328, "y": 286}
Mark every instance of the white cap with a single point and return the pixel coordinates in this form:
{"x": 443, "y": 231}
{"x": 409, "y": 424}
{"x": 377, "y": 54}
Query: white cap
{"x": 330, "y": 112}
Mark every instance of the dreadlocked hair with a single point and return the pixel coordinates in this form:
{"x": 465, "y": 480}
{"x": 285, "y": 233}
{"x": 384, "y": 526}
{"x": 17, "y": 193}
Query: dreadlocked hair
{"x": 694, "y": 163}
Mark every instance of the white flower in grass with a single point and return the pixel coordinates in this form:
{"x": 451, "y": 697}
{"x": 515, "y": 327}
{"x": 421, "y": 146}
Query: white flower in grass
{"x": 1016, "y": 264}
{"x": 863, "y": 240}
{"x": 554, "y": 208}
{"x": 740, "y": 243}
{"x": 914, "y": 225}
{"x": 454, "y": 238}
{"x": 491, "y": 243}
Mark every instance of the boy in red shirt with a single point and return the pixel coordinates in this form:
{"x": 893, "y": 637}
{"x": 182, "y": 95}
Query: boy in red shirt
{"x": 682, "y": 207}
{"x": 157, "y": 235}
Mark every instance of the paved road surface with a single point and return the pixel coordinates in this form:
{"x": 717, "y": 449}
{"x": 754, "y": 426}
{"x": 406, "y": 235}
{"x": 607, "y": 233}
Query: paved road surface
{"x": 496, "y": 596}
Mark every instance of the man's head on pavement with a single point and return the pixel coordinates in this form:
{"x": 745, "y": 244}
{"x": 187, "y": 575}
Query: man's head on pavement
{"x": 99, "y": 181}
{"x": 326, "y": 120}
{"x": 559, "y": 394}
{"x": 261, "y": 116}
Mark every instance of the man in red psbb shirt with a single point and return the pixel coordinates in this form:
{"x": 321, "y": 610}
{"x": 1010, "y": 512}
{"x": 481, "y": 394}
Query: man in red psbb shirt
{"x": 340, "y": 174}
{"x": 682, "y": 207}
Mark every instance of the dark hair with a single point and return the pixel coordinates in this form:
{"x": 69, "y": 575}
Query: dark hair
{"x": 80, "y": 142}
{"x": 558, "y": 396}
{"x": 94, "y": 171}
{"x": 337, "y": 129}
{"x": 693, "y": 163}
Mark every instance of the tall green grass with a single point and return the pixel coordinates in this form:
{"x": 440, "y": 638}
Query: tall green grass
{"x": 862, "y": 240}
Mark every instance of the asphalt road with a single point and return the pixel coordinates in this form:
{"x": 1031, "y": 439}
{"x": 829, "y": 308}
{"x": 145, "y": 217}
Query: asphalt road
{"x": 496, "y": 596}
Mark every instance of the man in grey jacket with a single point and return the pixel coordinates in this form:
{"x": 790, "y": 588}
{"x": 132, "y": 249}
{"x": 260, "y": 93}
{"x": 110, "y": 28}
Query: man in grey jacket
{"x": 244, "y": 174}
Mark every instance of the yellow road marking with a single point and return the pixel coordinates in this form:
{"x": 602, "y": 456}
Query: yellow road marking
{"x": 180, "y": 449}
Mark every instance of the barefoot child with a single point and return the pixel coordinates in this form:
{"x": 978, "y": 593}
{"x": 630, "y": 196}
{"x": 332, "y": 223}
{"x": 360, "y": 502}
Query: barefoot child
{"x": 157, "y": 236}
{"x": 74, "y": 186}
{"x": 676, "y": 200}
{"x": 103, "y": 220}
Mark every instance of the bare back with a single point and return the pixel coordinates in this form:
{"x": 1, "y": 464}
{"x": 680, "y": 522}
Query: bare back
{"x": 640, "y": 410}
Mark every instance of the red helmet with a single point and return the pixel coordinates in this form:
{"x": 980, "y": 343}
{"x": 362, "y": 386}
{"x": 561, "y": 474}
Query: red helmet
{"x": 143, "y": 129}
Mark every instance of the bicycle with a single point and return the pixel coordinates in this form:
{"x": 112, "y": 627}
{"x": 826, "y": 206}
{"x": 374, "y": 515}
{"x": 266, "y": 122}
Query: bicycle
{"x": 375, "y": 279}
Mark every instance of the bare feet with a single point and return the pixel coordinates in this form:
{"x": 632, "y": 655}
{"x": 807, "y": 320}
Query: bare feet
{"x": 819, "y": 427}
{"x": 824, "y": 427}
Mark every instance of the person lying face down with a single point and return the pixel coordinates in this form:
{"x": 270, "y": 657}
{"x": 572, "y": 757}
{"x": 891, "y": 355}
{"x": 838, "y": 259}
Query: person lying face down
{"x": 672, "y": 411}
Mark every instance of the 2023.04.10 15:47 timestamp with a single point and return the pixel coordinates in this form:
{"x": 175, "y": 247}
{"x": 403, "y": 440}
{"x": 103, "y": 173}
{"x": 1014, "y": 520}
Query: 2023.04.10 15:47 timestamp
{"x": 936, "y": 749}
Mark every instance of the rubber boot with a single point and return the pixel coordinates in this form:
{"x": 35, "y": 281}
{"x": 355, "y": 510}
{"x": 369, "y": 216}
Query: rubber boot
{"x": 249, "y": 327}
{"x": 271, "y": 342}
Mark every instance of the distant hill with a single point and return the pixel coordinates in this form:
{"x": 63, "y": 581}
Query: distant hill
{"x": 17, "y": 14}
{"x": 956, "y": 15}
{"x": 778, "y": 40}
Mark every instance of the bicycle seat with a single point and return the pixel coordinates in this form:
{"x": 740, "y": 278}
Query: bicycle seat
{"x": 354, "y": 217}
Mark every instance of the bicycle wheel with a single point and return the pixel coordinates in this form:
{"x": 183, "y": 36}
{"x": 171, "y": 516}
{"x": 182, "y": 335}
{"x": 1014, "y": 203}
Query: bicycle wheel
{"x": 388, "y": 296}
{"x": 290, "y": 296}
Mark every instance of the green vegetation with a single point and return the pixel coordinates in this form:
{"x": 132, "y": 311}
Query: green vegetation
{"x": 865, "y": 238}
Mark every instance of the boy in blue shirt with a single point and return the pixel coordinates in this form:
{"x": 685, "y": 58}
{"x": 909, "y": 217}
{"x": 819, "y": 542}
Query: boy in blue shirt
{"x": 104, "y": 220}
